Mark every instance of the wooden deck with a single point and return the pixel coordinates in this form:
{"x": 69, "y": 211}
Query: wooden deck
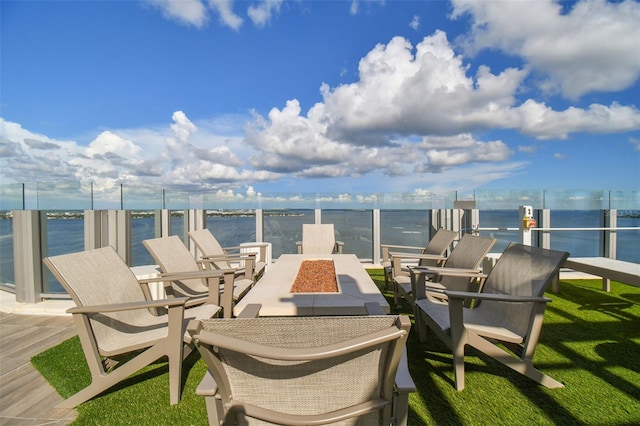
{"x": 26, "y": 398}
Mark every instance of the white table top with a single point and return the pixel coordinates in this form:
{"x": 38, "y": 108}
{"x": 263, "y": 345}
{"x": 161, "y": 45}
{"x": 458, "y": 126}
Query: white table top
{"x": 355, "y": 289}
{"x": 618, "y": 270}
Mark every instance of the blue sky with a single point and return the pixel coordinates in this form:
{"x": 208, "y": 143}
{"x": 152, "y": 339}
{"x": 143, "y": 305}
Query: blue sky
{"x": 321, "y": 96}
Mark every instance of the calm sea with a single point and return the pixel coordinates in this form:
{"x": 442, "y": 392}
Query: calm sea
{"x": 353, "y": 227}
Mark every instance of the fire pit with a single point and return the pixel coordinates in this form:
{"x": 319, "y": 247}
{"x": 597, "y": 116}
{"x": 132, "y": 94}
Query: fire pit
{"x": 316, "y": 276}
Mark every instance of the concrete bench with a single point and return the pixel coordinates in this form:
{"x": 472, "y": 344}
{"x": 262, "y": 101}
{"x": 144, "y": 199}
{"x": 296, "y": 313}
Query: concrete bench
{"x": 608, "y": 269}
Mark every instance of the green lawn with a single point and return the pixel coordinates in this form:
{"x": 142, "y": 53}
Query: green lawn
{"x": 590, "y": 342}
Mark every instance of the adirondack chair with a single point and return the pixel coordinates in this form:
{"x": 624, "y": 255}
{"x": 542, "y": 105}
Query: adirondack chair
{"x": 465, "y": 257}
{"x": 302, "y": 370}
{"x": 433, "y": 254}
{"x": 510, "y": 312}
{"x": 191, "y": 278}
{"x": 113, "y": 319}
{"x": 222, "y": 257}
{"x": 319, "y": 239}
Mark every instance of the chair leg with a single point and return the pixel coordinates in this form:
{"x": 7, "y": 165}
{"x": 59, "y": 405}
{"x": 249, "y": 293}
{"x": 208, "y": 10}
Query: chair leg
{"x": 175, "y": 351}
{"x": 386, "y": 278}
{"x": 458, "y": 335}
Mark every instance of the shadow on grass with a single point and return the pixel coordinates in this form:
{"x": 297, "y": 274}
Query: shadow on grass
{"x": 589, "y": 342}
{"x": 64, "y": 366}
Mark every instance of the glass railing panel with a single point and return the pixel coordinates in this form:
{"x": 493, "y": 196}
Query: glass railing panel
{"x": 12, "y": 197}
{"x": 418, "y": 200}
{"x": 229, "y": 200}
{"x": 576, "y": 200}
{"x": 405, "y": 227}
{"x": 355, "y": 229}
{"x": 500, "y": 224}
{"x": 287, "y": 201}
{"x": 143, "y": 227}
{"x": 64, "y": 196}
{"x": 177, "y": 224}
{"x": 624, "y": 200}
{"x": 176, "y": 200}
{"x": 449, "y": 199}
{"x": 577, "y": 243}
{"x": 283, "y": 228}
{"x": 65, "y": 234}
{"x": 347, "y": 201}
{"x": 141, "y": 198}
{"x": 7, "y": 276}
{"x": 628, "y": 241}
{"x": 508, "y": 199}
{"x": 232, "y": 227}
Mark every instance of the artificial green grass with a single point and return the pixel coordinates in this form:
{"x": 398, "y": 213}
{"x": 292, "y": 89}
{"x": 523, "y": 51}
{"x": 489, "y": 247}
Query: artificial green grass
{"x": 590, "y": 342}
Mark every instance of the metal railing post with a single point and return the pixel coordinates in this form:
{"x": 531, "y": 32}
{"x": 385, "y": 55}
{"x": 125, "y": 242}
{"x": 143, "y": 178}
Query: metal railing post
{"x": 375, "y": 226}
{"x": 28, "y": 229}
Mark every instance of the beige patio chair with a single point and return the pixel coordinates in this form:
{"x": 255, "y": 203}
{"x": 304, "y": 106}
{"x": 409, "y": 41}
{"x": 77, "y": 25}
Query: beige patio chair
{"x": 319, "y": 239}
{"x": 462, "y": 267}
{"x": 435, "y": 251}
{"x": 510, "y": 313}
{"x": 282, "y": 370}
{"x": 191, "y": 278}
{"x": 113, "y": 321}
{"x": 222, "y": 257}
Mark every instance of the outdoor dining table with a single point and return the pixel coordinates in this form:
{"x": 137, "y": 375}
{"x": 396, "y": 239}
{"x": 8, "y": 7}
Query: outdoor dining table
{"x": 273, "y": 290}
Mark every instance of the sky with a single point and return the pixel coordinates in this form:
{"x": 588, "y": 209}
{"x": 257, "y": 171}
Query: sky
{"x": 321, "y": 96}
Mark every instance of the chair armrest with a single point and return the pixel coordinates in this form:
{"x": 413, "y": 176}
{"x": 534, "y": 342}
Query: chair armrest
{"x": 186, "y": 275}
{"x": 404, "y": 382}
{"x": 419, "y": 256}
{"x": 495, "y": 297}
{"x": 252, "y": 310}
{"x": 455, "y": 272}
{"x": 118, "y": 307}
{"x": 232, "y": 256}
{"x": 401, "y": 247}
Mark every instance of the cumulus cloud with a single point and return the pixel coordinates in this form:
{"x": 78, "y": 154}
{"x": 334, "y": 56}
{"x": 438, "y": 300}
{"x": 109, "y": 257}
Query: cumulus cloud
{"x": 179, "y": 155}
{"x": 446, "y": 152}
{"x": 415, "y": 110}
{"x": 574, "y": 50}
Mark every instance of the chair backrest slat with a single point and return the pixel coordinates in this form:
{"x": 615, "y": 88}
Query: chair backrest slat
{"x": 304, "y": 388}
{"x": 318, "y": 238}
{"x": 467, "y": 254}
{"x": 521, "y": 271}
{"x": 438, "y": 245}
{"x": 173, "y": 256}
{"x": 209, "y": 246}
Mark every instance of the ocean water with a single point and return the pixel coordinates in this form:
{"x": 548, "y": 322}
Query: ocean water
{"x": 353, "y": 227}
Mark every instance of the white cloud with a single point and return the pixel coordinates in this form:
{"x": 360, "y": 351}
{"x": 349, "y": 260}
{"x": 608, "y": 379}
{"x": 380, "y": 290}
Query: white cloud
{"x": 191, "y": 12}
{"x": 261, "y": 14}
{"x": 447, "y": 152}
{"x": 225, "y": 10}
{"x": 587, "y": 49}
{"x": 180, "y": 154}
{"x": 415, "y": 110}
{"x": 528, "y": 149}
{"x": 415, "y": 22}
